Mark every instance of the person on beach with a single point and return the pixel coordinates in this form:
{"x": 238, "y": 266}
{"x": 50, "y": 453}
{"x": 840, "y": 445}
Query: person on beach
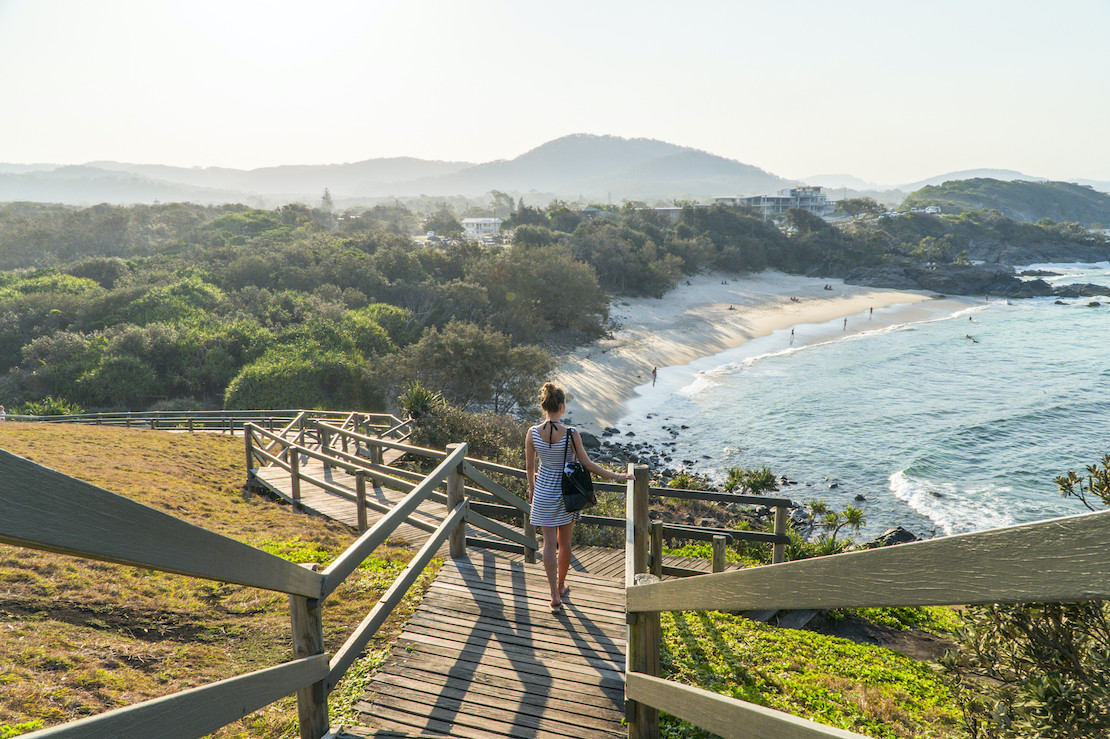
{"x": 654, "y": 375}
{"x": 845, "y": 324}
{"x": 551, "y": 442}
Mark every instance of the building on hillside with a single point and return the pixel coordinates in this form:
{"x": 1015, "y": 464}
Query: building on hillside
{"x": 478, "y": 228}
{"x": 806, "y": 198}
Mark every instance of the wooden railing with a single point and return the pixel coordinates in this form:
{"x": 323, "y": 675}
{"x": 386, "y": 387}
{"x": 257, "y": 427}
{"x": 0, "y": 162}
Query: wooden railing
{"x": 1065, "y": 559}
{"x": 335, "y": 449}
{"x": 49, "y": 511}
{"x": 223, "y": 420}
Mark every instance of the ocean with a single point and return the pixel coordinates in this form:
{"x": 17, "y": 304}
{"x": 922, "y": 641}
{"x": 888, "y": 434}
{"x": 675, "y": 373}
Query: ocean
{"x": 955, "y": 419}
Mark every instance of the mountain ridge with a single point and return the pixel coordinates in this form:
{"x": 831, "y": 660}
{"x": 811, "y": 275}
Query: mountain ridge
{"x": 597, "y": 168}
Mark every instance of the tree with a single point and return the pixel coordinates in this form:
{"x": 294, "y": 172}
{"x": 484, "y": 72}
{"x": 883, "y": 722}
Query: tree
{"x": 855, "y": 207}
{"x": 443, "y": 223}
{"x": 471, "y": 366}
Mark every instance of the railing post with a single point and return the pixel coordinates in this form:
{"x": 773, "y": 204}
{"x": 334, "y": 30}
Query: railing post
{"x": 325, "y": 445}
{"x": 360, "y": 500}
{"x": 295, "y": 474}
{"x": 529, "y": 530}
{"x": 377, "y": 454}
{"x": 248, "y": 442}
{"x": 456, "y": 489}
{"x": 719, "y": 543}
{"x": 308, "y": 639}
{"x": 778, "y": 554}
{"x": 655, "y": 556}
{"x": 643, "y": 628}
{"x": 190, "y": 424}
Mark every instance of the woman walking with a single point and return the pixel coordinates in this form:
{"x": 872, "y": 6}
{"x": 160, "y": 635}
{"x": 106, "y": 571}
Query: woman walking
{"x": 551, "y": 442}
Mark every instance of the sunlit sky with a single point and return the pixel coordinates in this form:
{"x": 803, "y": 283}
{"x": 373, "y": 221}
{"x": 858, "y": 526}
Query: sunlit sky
{"x": 891, "y": 92}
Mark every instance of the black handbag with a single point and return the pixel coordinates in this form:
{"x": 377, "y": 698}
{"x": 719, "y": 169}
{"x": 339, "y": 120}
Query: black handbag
{"x": 578, "y": 486}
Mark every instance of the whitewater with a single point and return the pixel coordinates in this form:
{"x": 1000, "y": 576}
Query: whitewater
{"x": 952, "y": 422}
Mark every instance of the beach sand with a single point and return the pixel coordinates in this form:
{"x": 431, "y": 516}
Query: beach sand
{"x": 695, "y": 320}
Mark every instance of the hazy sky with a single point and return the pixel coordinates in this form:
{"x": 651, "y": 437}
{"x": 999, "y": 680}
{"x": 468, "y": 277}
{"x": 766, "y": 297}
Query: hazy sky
{"x": 887, "y": 91}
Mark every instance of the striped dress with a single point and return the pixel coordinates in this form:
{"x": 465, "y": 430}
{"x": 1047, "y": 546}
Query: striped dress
{"x": 547, "y": 499}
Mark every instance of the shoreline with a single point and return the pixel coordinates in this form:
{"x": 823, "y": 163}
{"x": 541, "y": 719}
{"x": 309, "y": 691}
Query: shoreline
{"x": 713, "y": 313}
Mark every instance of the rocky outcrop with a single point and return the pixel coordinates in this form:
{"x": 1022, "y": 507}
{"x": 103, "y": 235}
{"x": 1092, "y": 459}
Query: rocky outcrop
{"x": 1045, "y": 252}
{"x": 954, "y": 279}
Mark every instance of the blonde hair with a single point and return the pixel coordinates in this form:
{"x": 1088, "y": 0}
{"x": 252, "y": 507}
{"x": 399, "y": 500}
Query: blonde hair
{"x": 551, "y": 397}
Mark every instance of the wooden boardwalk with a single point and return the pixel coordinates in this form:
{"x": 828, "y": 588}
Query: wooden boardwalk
{"x": 483, "y": 656}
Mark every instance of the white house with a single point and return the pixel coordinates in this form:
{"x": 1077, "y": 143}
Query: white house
{"x": 807, "y": 198}
{"x": 477, "y": 228}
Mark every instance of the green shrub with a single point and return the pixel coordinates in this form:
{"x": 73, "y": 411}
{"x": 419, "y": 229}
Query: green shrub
{"x": 288, "y": 378}
{"x": 417, "y": 400}
{"x": 48, "y": 406}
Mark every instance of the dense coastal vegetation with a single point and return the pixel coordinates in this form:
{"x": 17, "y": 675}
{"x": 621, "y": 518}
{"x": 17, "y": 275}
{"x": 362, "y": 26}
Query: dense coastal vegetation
{"x": 185, "y": 306}
{"x": 1020, "y": 200}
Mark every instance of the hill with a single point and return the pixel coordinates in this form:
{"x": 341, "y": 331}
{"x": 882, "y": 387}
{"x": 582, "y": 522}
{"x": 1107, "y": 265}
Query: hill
{"x": 1006, "y": 175}
{"x": 1019, "y": 200}
{"x": 583, "y": 166}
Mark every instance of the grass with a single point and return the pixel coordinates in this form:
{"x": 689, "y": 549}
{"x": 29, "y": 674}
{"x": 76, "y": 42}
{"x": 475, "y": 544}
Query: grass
{"x": 80, "y": 637}
{"x": 868, "y": 690}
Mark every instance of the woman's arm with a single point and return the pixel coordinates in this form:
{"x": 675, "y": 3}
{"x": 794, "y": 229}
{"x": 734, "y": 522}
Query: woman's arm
{"x": 530, "y": 462}
{"x": 580, "y": 452}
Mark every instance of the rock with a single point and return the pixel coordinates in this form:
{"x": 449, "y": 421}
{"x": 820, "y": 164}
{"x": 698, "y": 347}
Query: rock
{"x": 612, "y": 430}
{"x": 589, "y": 440}
{"x": 1093, "y": 304}
{"x": 832, "y": 486}
{"x": 1079, "y": 290}
{"x": 860, "y": 498}
{"x": 627, "y": 433}
{"x": 1039, "y": 273}
{"x": 1060, "y": 302}
{"x": 890, "y": 537}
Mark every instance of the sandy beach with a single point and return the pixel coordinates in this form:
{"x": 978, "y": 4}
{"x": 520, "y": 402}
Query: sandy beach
{"x": 699, "y": 318}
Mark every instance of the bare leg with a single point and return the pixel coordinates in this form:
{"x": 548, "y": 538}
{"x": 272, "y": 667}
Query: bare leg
{"x": 564, "y": 556}
{"x": 550, "y": 564}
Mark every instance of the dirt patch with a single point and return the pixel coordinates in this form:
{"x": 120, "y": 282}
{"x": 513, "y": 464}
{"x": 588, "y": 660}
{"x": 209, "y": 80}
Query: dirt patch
{"x": 920, "y": 645}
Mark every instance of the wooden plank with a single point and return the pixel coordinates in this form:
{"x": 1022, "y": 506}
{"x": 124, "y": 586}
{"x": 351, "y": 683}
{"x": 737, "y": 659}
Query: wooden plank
{"x": 525, "y": 668}
{"x": 727, "y": 717}
{"x": 1064, "y": 559}
{"x": 488, "y": 718}
{"x": 198, "y": 711}
{"x": 540, "y": 601}
{"x": 436, "y": 660}
{"x": 528, "y": 632}
{"x": 539, "y": 692}
{"x": 44, "y": 509}
{"x": 358, "y": 640}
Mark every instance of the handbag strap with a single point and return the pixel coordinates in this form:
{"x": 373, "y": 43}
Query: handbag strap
{"x": 566, "y": 445}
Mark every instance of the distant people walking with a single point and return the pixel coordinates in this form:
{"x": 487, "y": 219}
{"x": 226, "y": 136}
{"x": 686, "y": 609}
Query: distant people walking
{"x": 3, "y": 414}
{"x": 654, "y": 375}
{"x": 845, "y": 324}
{"x": 549, "y": 443}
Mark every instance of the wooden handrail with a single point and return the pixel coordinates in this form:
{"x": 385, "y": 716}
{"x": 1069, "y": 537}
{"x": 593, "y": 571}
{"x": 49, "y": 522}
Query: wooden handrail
{"x": 346, "y": 563}
{"x": 197, "y": 711}
{"x": 362, "y": 635}
{"x": 723, "y": 715}
{"x": 47, "y": 510}
{"x": 1063, "y": 559}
